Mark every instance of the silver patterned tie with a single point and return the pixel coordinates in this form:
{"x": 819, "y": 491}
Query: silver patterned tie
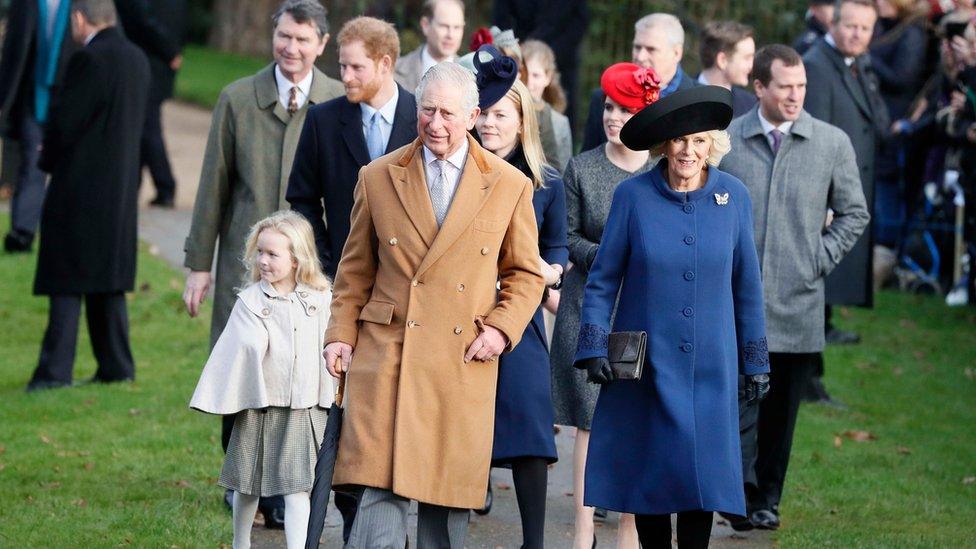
{"x": 440, "y": 193}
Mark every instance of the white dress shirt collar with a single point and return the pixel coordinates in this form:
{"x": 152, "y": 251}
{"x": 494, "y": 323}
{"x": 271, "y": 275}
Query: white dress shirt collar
{"x": 457, "y": 159}
{"x": 768, "y": 126}
{"x": 829, "y": 39}
{"x": 427, "y": 61}
{"x": 285, "y": 85}
{"x": 387, "y": 111}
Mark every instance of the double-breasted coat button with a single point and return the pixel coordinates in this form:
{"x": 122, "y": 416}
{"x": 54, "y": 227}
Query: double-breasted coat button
{"x": 312, "y": 309}
{"x": 414, "y": 283}
{"x": 460, "y": 287}
{"x": 484, "y": 251}
{"x": 688, "y": 311}
{"x": 457, "y": 330}
{"x": 411, "y": 324}
{"x": 393, "y": 241}
{"x": 303, "y": 294}
{"x": 265, "y": 312}
{"x": 689, "y": 275}
{"x": 688, "y": 208}
{"x": 687, "y": 347}
{"x": 690, "y": 239}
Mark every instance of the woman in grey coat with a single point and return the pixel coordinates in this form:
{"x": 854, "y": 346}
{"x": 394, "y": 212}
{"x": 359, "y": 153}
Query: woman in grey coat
{"x": 590, "y": 180}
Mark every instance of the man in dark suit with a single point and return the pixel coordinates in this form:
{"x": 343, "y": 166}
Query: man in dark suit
{"x": 726, "y": 50}
{"x": 819, "y": 15}
{"x": 36, "y": 49}
{"x": 88, "y": 236}
{"x": 158, "y": 27}
{"x": 659, "y": 43}
{"x": 341, "y": 136}
{"x": 842, "y": 91}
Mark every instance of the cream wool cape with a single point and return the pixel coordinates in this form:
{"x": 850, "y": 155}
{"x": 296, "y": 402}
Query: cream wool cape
{"x": 268, "y": 357}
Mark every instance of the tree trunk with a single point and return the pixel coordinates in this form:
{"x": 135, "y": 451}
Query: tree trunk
{"x": 243, "y": 27}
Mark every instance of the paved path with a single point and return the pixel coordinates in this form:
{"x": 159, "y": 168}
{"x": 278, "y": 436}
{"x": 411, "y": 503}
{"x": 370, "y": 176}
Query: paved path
{"x": 186, "y": 129}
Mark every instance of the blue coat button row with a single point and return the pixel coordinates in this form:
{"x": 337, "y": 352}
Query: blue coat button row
{"x": 690, "y": 239}
{"x": 689, "y": 275}
{"x": 688, "y": 208}
{"x": 687, "y": 311}
{"x": 687, "y": 347}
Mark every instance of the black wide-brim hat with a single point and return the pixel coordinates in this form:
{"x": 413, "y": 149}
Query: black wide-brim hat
{"x": 684, "y": 112}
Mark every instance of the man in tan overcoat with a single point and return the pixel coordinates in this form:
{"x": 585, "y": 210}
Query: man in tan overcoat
{"x": 440, "y": 274}
{"x": 253, "y": 136}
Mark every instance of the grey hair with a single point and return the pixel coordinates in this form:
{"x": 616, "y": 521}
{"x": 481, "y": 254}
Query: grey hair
{"x": 721, "y": 145}
{"x": 668, "y": 23}
{"x": 457, "y": 76}
{"x": 96, "y": 12}
{"x": 304, "y": 11}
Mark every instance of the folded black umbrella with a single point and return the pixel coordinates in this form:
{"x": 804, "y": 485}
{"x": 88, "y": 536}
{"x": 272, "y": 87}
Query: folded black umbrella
{"x": 324, "y": 468}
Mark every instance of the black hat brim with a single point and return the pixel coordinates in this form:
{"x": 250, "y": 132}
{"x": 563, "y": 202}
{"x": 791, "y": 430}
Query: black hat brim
{"x": 684, "y": 112}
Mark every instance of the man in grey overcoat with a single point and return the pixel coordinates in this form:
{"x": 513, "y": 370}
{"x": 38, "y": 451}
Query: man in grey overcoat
{"x": 442, "y": 24}
{"x": 796, "y": 169}
{"x": 253, "y": 136}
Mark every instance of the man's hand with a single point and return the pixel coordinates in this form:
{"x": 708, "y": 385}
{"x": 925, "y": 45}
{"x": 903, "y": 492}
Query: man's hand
{"x": 338, "y": 357}
{"x": 964, "y": 50}
{"x": 176, "y": 62}
{"x": 487, "y": 346}
{"x": 197, "y": 286}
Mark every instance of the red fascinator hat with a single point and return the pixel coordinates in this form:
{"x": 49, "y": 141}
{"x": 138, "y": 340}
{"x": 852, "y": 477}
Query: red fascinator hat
{"x": 631, "y": 86}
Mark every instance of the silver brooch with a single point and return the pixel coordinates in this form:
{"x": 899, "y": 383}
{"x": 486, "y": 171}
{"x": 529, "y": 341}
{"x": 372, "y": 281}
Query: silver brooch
{"x": 722, "y": 199}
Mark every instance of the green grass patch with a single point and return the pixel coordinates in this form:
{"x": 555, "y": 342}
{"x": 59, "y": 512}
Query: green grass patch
{"x": 206, "y": 71}
{"x": 129, "y": 464}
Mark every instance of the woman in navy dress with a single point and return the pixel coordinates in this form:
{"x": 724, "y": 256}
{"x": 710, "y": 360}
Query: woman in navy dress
{"x": 524, "y": 438}
{"x": 679, "y": 249}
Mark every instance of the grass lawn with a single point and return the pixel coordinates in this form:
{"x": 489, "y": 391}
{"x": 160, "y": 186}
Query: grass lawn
{"x": 129, "y": 464}
{"x": 206, "y": 71}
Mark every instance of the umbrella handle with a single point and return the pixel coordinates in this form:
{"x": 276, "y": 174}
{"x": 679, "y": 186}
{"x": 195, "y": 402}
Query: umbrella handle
{"x": 340, "y": 389}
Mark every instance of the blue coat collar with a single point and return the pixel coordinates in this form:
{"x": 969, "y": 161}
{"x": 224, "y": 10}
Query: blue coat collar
{"x": 657, "y": 177}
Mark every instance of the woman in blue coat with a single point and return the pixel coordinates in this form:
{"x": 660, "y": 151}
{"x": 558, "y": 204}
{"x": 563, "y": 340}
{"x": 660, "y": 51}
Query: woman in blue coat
{"x": 524, "y": 437}
{"x": 679, "y": 249}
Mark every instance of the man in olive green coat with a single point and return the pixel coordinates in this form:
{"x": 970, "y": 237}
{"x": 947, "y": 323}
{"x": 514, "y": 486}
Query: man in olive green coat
{"x": 253, "y": 136}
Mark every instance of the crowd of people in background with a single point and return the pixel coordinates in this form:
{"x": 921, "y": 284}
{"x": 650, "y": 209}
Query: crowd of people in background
{"x": 457, "y": 213}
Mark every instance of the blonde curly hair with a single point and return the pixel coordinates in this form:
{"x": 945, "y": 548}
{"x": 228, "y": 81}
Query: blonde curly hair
{"x": 299, "y": 232}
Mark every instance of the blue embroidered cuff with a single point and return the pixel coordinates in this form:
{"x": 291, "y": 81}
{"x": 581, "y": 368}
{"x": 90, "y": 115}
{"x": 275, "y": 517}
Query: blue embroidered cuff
{"x": 755, "y": 357}
{"x": 593, "y": 341}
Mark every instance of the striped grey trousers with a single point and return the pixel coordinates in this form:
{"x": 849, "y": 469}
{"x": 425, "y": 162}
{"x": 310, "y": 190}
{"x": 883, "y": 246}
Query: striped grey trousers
{"x": 381, "y": 523}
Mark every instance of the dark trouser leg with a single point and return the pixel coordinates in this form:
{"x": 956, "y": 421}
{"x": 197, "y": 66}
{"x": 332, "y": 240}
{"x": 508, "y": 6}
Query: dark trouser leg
{"x": 531, "y": 476}
{"x": 60, "y": 340}
{"x": 28, "y": 198}
{"x": 694, "y": 529}
{"x": 788, "y": 376}
{"x": 381, "y": 521}
{"x": 748, "y": 433}
{"x": 108, "y": 326}
{"x": 154, "y": 151}
{"x": 654, "y": 531}
{"x": 346, "y": 504}
{"x": 441, "y": 527}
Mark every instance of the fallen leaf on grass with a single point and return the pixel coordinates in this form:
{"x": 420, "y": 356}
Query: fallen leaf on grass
{"x": 919, "y": 354}
{"x": 864, "y": 366}
{"x": 134, "y": 411}
{"x": 859, "y": 436}
{"x": 153, "y": 249}
{"x": 182, "y": 484}
{"x": 51, "y": 485}
{"x": 80, "y": 503}
{"x": 3, "y": 466}
{"x": 905, "y": 323}
{"x": 968, "y": 372}
{"x": 845, "y": 312}
{"x": 898, "y": 371}
{"x": 903, "y": 450}
{"x": 144, "y": 287}
{"x": 175, "y": 284}
{"x": 969, "y": 480}
{"x": 89, "y": 466}
{"x": 45, "y": 439}
{"x": 837, "y": 442}
{"x": 88, "y": 401}
{"x": 2, "y": 449}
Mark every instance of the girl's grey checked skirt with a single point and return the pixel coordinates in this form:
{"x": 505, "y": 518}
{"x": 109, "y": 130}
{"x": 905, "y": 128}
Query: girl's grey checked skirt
{"x": 272, "y": 451}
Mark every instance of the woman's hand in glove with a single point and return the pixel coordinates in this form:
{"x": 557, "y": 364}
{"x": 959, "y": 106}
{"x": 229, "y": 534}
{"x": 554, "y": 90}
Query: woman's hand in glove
{"x": 597, "y": 369}
{"x": 756, "y": 387}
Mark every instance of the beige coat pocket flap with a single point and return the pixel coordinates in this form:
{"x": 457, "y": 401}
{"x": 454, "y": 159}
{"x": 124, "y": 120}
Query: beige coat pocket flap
{"x": 379, "y": 312}
{"x": 489, "y": 225}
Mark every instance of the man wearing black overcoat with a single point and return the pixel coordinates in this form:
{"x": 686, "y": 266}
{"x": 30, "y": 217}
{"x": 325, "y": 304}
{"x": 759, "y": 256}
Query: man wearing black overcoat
{"x": 842, "y": 91}
{"x": 88, "y": 240}
{"x": 158, "y": 27}
{"x": 37, "y": 33}
{"x": 335, "y": 141}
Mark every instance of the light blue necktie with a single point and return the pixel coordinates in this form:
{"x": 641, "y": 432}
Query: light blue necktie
{"x": 374, "y": 137}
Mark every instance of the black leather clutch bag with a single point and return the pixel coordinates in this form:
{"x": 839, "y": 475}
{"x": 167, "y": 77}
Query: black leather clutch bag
{"x": 626, "y": 354}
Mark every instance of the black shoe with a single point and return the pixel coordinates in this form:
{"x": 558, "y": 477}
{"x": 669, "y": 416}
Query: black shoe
{"x": 764, "y": 519}
{"x": 18, "y": 242}
{"x": 738, "y": 523}
{"x": 599, "y": 514}
{"x": 44, "y": 384}
{"x": 162, "y": 202}
{"x": 112, "y": 380}
{"x": 489, "y": 499}
{"x": 835, "y": 336}
{"x": 229, "y": 499}
{"x": 817, "y": 393}
{"x": 274, "y": 518}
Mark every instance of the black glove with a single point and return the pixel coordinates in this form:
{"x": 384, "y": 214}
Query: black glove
{"x": 756, "y": 387}
{"x": 597, "y": 369}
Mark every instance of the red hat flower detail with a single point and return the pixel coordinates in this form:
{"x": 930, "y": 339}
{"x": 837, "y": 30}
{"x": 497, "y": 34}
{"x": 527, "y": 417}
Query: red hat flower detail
{"x": 631, "y": 86}
{"x": 480, "y": 37}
